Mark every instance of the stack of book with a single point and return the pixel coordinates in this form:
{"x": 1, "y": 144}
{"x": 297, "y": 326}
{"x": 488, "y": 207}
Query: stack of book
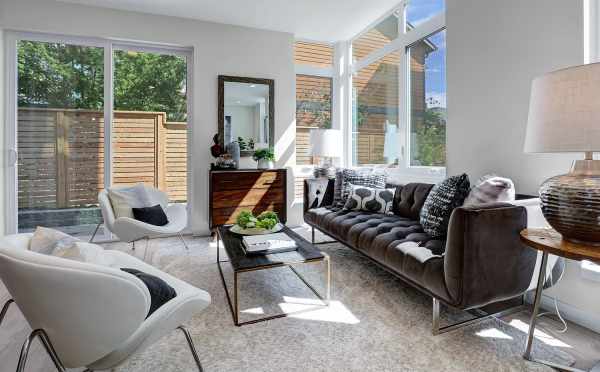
{"x": 268, "y": 244}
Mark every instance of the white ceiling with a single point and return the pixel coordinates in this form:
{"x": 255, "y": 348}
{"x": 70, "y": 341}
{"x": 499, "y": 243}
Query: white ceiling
{"x": 319, "y": 20}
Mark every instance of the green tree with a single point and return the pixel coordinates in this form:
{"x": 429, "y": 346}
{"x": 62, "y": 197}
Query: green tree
{"x": 60, "y": 76}
{"x": 430, "y": 149}
{"x": 151, "y": 82}
{"x": 68, "y": 76}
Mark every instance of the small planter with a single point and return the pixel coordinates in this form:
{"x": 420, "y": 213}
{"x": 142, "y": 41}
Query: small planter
{"x": 265, "y": 164}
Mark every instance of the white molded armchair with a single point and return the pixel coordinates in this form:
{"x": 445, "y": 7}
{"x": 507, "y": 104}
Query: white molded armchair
{"x": 131, "y": 230}
{"x": 89, "y": 315}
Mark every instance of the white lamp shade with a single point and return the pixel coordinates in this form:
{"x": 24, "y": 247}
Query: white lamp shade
{"x": 564, "y": 111}
{"x": 326, "y": 143}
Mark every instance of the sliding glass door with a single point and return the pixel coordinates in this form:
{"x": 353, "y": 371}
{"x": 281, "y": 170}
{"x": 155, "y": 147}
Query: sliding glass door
{"x": 60, "y": 130}
{"x": 90, "y": 115}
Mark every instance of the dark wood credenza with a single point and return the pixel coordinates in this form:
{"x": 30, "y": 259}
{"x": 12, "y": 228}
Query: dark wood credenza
{"x": 233, "y": 191}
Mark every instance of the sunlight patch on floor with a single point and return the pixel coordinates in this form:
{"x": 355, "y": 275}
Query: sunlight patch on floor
{"x": 254, "y": 310}
{"x": 493, "y": 333}
{"x": 538, "y": 335}
{"x": 313, "y": 309}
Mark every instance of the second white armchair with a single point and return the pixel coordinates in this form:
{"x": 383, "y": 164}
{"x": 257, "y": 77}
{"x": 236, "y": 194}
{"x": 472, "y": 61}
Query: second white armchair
{"x": 131, "y": 230}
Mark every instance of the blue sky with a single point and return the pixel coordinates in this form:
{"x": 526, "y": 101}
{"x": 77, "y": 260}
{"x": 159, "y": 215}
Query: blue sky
{"x": 435, "y": 65}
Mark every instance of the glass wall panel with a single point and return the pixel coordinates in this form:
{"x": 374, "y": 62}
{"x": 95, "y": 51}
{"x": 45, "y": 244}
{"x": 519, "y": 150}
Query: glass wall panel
{"x": 376, "y": 37}
{"x": 420, "y": 11}
{"x": 376, "y": 138}
{"x": 150, "y": 121}
{"x": 428, "y": 101}
{"x": 313, "y": 110}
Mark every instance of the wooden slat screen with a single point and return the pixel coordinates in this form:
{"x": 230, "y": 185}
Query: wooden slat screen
{"x": 313, "y": 54}
{"x": 61, "y": 155}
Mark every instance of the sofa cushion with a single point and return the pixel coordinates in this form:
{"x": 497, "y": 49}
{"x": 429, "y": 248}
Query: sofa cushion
{"x": 409, "y": 199}
{"x": 398, "y": 243}
{"x": 441, "y": 201}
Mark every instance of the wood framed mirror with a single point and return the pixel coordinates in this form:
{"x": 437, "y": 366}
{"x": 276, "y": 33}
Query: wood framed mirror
{"x": 246, "y": 112}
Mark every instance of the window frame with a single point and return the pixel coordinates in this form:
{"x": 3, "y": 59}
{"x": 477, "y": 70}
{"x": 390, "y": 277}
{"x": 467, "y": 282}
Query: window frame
{"x": 12, "y": 38}
{"x": 401, "y": 45}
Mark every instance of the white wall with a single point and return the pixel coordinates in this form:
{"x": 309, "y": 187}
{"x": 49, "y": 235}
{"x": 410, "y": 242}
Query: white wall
{"x": 495, "y": 48}
{"x": 219, "y": 49}
{"x": 2, "y": 113}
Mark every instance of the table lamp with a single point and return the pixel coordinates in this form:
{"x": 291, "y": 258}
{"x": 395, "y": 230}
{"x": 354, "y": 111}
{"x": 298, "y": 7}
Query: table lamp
{"x": 326, "y": 144}
{"x": 564, "y": 116}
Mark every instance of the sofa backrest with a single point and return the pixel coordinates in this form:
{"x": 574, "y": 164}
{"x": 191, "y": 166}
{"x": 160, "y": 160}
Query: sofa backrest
{"x": 409, "y": 199}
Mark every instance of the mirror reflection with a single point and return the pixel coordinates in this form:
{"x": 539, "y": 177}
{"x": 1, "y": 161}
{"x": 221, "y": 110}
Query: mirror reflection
{"x": 246, "y": 115}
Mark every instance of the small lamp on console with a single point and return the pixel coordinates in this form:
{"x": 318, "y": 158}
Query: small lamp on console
{"x": 326, "y": 144}
{"x": 564, "y": 116}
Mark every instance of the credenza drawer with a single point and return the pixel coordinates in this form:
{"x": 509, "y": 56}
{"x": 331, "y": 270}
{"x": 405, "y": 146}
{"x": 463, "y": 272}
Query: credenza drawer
{"x": 246, "y": 198}
{"x": 247, "y": 180}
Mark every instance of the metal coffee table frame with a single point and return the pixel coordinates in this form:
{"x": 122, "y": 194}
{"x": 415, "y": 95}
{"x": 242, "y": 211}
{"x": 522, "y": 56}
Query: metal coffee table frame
{"x": 234, "y": 305}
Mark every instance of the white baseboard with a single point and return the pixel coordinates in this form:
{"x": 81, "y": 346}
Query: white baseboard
{"x": 569, "y": 312}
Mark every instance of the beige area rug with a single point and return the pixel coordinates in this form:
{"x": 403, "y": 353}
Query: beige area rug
{"x": 375, "y": 323}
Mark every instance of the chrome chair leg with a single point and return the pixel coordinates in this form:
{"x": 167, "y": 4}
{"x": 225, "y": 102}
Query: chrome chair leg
{"x": 192, "y": 347}
{"x": 5, "y": 309}
{"x": 95, "y": 232}
{"x": 313, "y": 235}
{"x": 183, "y": 241}
{"x": 47, "y": 345}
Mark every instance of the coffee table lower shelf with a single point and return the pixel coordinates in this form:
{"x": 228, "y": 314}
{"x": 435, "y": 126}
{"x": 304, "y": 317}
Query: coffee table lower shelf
{"x": 234, "y": 305}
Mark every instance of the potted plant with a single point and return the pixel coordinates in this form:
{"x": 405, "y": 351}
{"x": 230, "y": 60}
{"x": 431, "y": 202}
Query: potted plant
{"x": 265, "y": 158}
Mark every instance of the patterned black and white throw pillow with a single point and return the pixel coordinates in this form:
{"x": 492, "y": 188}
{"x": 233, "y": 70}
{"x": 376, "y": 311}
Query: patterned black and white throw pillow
{"x": 370, "y": 199}
{"x": 316, "y": 191}
{"x": 352, "y": 177}
{"x": 441, "y": 201}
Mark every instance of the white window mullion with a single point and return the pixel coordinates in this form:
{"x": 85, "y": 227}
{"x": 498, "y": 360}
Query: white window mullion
{"x": 403, "y": 96}
{"x": 430, "y": 27}
{"x": 108, "y": 113}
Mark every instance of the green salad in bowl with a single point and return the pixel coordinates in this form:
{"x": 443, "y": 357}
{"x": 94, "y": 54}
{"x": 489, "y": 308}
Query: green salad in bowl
{"x": 247, "y": 223}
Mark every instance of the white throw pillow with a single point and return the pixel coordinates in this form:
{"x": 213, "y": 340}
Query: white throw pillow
{"x": 489, "y": 189}
{"x": 84, "y": 252}
{"x": 123, "y": 199}
{"x": 46, "y": 240}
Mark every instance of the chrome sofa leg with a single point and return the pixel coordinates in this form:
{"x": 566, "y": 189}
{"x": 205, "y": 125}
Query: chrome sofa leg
{"x": 47, "y": 345}
{"x": 436, "y": 329}
{"x": 183, "y": 241}
{"x": 435, "y": 324}
{"x": 95, "y": 232}
{"x": 192, "y": 347}
{"x": 5, "y": 309}
{"x": 312, "y": 235}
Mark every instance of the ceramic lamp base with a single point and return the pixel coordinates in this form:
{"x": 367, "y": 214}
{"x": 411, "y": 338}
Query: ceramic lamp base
{"x": 571, "y": 202}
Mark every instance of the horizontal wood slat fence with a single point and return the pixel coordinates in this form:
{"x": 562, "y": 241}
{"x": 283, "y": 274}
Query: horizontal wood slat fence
{"x": 61, "y": 155}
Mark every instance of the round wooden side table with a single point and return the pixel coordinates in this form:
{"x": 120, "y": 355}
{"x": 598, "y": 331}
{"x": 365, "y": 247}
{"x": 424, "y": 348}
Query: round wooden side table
{"x": 548, "y": 241}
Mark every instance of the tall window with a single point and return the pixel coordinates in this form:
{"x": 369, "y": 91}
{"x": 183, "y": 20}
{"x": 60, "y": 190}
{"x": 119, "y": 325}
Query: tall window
{"x": 313, "y": 94}
{"x": 399, "y": 88}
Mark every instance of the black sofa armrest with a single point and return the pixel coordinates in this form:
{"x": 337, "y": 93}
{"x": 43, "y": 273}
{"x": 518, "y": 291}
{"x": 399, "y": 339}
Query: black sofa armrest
{"x": 485, "y": 261}
{"x": 327, "y": 199}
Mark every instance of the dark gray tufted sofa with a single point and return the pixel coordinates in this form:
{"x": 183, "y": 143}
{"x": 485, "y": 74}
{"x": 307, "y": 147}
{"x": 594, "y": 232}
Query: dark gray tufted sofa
{"x": 480, "y": 262}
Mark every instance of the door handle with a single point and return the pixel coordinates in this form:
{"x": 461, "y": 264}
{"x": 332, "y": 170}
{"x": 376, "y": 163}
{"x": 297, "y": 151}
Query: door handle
{"x": 12, "y": 157}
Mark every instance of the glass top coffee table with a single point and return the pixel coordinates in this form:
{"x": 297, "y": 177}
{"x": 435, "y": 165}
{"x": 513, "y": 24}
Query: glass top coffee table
{"x": 241, "y": 263}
